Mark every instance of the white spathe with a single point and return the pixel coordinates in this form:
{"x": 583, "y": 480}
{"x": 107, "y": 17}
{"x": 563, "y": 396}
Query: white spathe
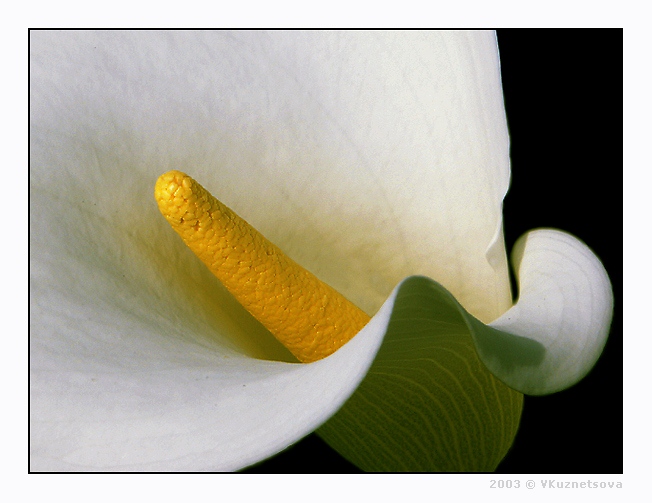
{"x": 565, "y": 304}
{"x": 366, "y": 156}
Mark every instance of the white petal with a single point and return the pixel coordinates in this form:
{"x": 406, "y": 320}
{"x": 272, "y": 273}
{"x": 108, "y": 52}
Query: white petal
{"x": 382, "y": 154}
{"x": 367, "y": 156}
{"x": 561, "y": 320}
{"x": 111, "y": 393}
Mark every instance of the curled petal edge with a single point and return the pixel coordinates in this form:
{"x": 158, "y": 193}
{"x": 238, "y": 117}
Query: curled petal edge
{"x": 555, "y": 332}
{"x": 546, "y": 342}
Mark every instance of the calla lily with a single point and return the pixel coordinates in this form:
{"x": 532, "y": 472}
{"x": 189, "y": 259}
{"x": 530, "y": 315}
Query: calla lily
{"x": 379, "y": 161}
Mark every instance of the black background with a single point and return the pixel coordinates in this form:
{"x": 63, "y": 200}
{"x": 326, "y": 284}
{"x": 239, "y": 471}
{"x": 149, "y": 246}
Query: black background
{"x": 563, "y": 95}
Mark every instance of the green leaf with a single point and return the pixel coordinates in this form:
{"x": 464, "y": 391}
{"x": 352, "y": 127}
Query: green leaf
{"x": 427, "y": 402}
